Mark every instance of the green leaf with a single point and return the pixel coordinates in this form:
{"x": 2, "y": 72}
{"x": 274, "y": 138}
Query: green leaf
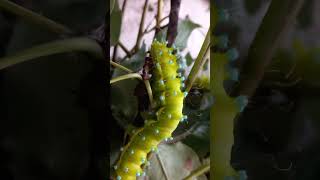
{"x": 197, "y": 108}
{"x": 124, "y": 105}
{"x": 198, "y": 111}
{"x": 189, "y": 59}
{"x": 200, "y": 138}
{"x": 172, "y": 159}
{"x": 135, "y": 63}
{"x": 185, "y": 27}
{"x": 115, "y": 24}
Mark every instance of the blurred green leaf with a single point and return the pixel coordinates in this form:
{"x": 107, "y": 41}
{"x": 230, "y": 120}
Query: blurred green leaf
{"x": 252, "y": 6}
{"x": 173, "y": 158}
{"x": 189, "y": 59}
{"x": 197, "y": 108}
{"x": 305, "y": 17}
{"x": 115, "y": 24}
{"x": 199, "y": 139}
{"x": 124, "y": 105}
{"x": 185, "y": 27}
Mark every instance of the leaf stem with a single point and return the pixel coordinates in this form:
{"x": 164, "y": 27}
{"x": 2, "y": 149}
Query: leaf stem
{"x": 34, "y": 17}
{"x": 199, "y": 62}
{"x": 126, "y": 76}
{"x": 60, "y": 46}
{"x": 149, "y": 91}
{"x": 159, "y": 15}
{"x": 120, "y": 67}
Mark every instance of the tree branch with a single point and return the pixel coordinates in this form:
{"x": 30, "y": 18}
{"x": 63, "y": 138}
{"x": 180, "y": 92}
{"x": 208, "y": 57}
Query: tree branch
{"x": 173, "y": 21}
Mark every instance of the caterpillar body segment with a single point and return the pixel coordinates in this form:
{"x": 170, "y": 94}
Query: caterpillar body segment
{"x": 225, "y": 108}
{"x": 167, "y": 85}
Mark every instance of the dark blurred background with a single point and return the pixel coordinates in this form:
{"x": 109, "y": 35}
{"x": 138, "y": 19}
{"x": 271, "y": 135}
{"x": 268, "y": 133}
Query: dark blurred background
{"x": 277, "y": 136}
{"x": 52, "y": 109}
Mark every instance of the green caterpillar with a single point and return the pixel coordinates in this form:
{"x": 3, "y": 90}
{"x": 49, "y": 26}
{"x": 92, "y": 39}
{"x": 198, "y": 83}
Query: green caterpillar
{"x": 166, "y": 84}
{"x": 225, "y": 108}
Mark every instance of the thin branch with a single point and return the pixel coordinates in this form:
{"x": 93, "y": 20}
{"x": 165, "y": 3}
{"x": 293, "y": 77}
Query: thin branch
{"x": 125, "y": 49}
{"x": 60, "y": 46}
{"x": 199, "y": 171}
{"x": 114, "y": 55}
{"x": 162, "y": 167}
{"x": 173, "y": 21}
{"x": 149, "y": 24}
{"x": 34, "y": 18}
{"x": 199, "y": 62}
{"x": 182, "y": 135}
{"x": 126, "y": 76}
{"x": 115, "y": 49}
{"x": 124, "y": 5}
{"x": 121, "y": 67}
{"x": 159, "y": 15}
{"x": 280, "y": 16}
{"x": 147, "y": 30}
{"x": 140, "y": 33}
{"x": 155, "y": 28}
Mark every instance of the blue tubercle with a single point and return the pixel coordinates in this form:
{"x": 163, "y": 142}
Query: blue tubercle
{"x": 232, "y": 54}
{"x": 243, "y": 175}
{"x": 223, "y": 15}
{"x": 223, "y": 41}
{"x": 242, "y": 102}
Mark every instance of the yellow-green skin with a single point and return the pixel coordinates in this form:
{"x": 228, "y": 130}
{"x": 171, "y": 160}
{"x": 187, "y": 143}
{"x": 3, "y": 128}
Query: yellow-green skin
{"x": 166, "y": 87}
{"x": 223, "y": 112}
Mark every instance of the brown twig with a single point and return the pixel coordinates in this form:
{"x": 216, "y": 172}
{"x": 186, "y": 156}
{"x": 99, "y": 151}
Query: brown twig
{"x": 147, "y": 30}
{"x": 116, "y": 46}
{"x": 140, "y": 33}
{"x": 125, "y": 49}
{"x": 124, "y": 6}
{"x": 155, "y": 28}
{"x": 173, "y": 21}
{"x": 183, "y": 135}
{"x": 114, "y": 55}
